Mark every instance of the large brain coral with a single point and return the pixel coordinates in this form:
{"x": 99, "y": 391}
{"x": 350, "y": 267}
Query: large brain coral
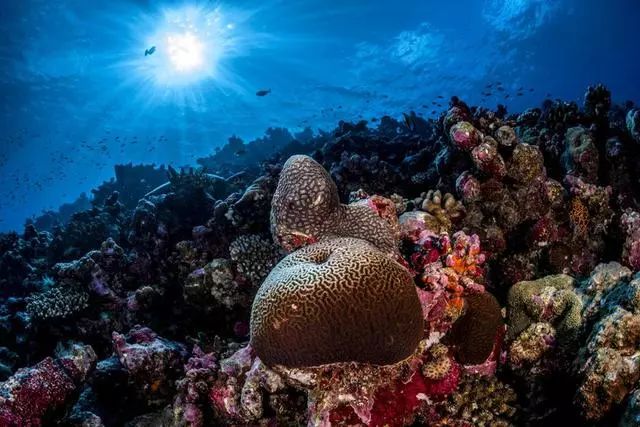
{"x": 306, "y": 208}
{"x": 339, "y": 300}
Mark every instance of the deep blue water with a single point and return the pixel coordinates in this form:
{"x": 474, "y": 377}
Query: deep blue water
{"x": 78, "y": 94}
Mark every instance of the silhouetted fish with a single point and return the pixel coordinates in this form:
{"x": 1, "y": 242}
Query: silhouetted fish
{"x": 409, "y": 121}
{"x": 263, "y": 92}
{"x": 149, "y": 51}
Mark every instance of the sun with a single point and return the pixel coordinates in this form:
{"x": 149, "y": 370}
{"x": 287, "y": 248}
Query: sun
{"x": 189, "y": 42}
{"x": 185, "y": 51}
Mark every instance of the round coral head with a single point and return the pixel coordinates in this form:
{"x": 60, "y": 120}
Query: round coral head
{"x": 339, "y": 300}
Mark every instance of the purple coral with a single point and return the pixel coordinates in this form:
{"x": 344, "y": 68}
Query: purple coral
{"x": 630, "y": 222}
{"x": 153, "y": 363}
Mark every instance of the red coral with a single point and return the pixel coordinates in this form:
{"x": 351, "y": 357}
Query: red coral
{"x": 399, "y": 404}
{"x": 31, "y": 393}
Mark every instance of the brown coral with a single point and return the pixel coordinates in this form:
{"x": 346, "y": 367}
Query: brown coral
{"x": 444, "y": 211}
{"x": 579, "y": 216}
{"x": 339, "y": 300}
{"x": 473, "y": 335}
{"x": 306, "y": 207}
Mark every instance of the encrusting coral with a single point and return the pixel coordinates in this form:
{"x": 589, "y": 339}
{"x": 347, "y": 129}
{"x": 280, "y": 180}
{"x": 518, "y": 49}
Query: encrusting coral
{"x": 587, "y": 329}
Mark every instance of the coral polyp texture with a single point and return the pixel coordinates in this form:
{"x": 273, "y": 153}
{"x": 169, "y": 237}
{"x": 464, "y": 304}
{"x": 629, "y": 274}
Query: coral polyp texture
{"x": 339, "y": 300}
{"x": 480, "y": 268}
{"x": 306, "y": 208}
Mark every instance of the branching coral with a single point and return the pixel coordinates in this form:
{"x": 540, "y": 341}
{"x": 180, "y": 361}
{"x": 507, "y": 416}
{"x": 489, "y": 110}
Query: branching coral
{"x": 480, "y": 401}
{"x": 446, "y": 269}
{"x": 58, "y": 302}
{"x": 437, "y": 213}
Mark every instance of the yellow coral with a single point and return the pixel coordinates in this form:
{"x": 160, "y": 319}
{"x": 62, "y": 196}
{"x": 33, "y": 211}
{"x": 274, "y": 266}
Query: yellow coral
{"x": 443, "y": 211}
{"x": 440, "y": 364}
{"x": 579, "y": 216}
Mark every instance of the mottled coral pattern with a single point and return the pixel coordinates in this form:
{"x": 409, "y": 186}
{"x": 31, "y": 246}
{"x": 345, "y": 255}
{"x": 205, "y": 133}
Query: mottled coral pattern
{"x": 306, "y": 208}
{"x": 339, "y": 300}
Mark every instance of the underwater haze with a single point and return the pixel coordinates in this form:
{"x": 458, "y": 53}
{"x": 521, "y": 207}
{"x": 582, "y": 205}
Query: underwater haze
{"x": 79, "y": 95}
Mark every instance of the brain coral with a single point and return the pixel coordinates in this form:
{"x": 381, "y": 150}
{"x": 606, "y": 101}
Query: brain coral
{"x": 306, "y": 207}
{"x": 339, "y": 300}
{"x": 474, "y": 334}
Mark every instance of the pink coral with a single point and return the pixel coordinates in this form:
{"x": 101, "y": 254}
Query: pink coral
{"x": 447, "y": 269}
{"x": 31, "y": 393}
{"x": 630, "y": 222}
{"x": 153, "y": 363}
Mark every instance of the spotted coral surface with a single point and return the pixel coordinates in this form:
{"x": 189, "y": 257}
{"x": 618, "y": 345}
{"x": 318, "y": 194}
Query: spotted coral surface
{"x": 306, "y": 207}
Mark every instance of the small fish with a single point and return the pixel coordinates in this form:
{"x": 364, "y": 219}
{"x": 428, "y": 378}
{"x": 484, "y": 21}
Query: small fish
{"x": 240, "y": 152}
{"x": 149, "y": 51}
{"x": 409, "y": 121}
{"x": 440, "y": 97}
{"x": 263, "y": 92}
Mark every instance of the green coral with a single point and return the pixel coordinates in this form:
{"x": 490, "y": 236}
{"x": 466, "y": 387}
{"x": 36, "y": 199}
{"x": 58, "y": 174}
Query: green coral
{"x": 551, "y": 299}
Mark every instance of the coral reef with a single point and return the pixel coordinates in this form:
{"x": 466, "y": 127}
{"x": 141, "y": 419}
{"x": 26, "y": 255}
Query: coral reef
{"x": 409, "y": 243}
{"x": 480, "y": 401}
{"x": 254, "y": 257}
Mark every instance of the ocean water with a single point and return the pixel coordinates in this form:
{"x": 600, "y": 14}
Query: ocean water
{"x": 78, "y": 94}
